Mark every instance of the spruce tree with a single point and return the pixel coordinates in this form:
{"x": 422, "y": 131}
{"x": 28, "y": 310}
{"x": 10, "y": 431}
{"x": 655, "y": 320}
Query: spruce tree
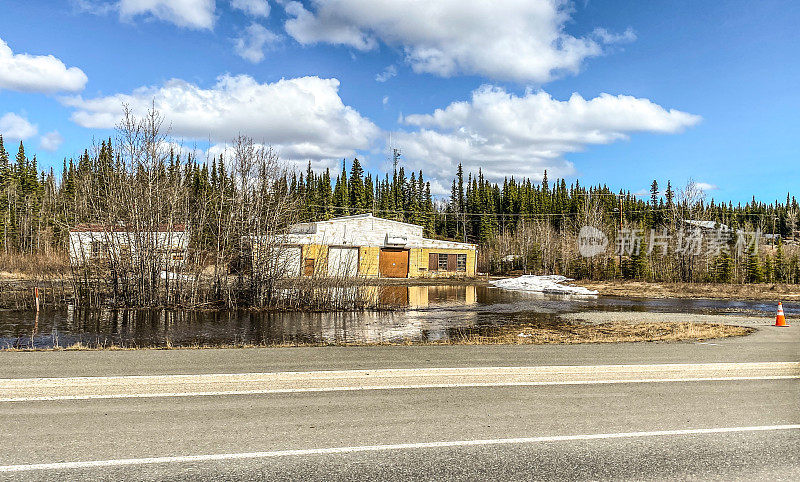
{"x": 369, "y": 194}
{"x": 723, "y": 269}
{"x": 669, "y": 194}
{"x": 754, "y": 272}
{"x": 654, "y": 193}
{"x": 357, "y": 195}
{"x": 5, "y": 180}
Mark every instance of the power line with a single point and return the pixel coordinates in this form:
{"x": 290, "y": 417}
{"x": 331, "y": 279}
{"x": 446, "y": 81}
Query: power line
{"x": 521, "y": 215}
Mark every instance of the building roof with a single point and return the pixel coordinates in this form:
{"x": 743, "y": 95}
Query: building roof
{"x": 705, "y": 224}
{"x": 306, "y": 233}
{"x": 109, "y": 228}
{"x": 354, "y": 217}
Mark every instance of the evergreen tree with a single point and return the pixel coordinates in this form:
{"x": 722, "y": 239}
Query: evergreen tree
{"x": 669, "y": 194}
{"x": 357, "y": 194}
{"x": 369, "y": 195}
{"x": 723, "y": 269}
{"x": 754, "y": 272}
{"x": 654, "y": 193}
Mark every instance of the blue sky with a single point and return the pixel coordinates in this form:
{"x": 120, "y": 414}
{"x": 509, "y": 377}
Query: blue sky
{"x": 615, "y": 92}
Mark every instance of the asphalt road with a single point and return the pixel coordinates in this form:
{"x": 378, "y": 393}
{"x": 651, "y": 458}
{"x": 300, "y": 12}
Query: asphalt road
{"x": 768, "y": 344}
{"x": 738, "y": 429}
{"x": 704, "y": 457}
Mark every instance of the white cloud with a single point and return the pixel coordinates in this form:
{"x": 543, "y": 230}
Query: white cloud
{"x": 303, "y": 118}
{"x": 256, "y": 8}
{"x": 51, "y": 141}
{"x": 609, "y": 37}
{"x": 385, "y": 100}
{"x": 251, "y": 44}
{"x": 389, "y": 72}
{"x": 196, "y": 14}
{"x": 37, "y": 73}
{"x": 308, "y": 29}
{"x": 521, "y": 40}
{"x": 509, "y": 135}
{"x": 94, "y": 7}
{"x": 704, "y": 186}
{"x": 13, "y": 126}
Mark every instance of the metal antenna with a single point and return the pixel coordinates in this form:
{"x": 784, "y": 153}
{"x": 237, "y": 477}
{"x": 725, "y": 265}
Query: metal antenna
{"x": 396, "y": 153}
{"x": 395, "y": 159}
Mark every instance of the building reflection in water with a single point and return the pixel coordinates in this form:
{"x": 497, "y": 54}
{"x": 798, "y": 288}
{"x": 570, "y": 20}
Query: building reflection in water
{"x": 426, "y": 314}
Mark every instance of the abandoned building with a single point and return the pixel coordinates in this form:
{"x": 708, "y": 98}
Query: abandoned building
{"x": 365, "y": 245}
{"x": 97, "y": 243}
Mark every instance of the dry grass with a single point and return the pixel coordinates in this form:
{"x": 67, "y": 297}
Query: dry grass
{"x": 640, "y": 289}
{"x": 615, "y": 332}
{"x": 517, "y": 334}
{"x": 34, "y": 266}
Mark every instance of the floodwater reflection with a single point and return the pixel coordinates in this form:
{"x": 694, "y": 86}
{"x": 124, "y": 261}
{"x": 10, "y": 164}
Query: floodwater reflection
{"x": 149, "y": 328}
{"x": 432, "y": 313}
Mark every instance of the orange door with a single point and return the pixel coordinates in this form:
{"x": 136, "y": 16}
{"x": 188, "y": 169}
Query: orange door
{"x": 394, "y": 263}
{"x": 308, "y": 267}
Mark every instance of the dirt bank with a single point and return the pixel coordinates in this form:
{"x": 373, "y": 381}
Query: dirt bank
{"x": 641, "y": 289}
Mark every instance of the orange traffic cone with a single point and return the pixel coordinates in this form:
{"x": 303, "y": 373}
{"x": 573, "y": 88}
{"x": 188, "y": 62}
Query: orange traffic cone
{"x": 780, "y": 320}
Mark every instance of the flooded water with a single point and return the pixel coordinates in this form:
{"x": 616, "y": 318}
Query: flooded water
{"x": 432, "y": 313}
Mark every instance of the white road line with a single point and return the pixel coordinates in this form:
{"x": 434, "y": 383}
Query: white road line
{"x": 379, "y": 387}
{"x": 433, "y": 370}
{"x": 378, "y": 448}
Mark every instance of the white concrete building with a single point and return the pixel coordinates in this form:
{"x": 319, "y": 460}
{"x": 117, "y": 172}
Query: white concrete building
{"x": 366, "y": 245}
{"x": 93, "y": 243}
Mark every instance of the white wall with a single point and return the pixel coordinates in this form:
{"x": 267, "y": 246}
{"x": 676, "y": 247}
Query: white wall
{"x": 80, "y": 243}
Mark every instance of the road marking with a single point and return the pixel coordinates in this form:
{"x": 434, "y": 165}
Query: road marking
{"x": 266, "y": 391}
{"x": 426, "y": 370}
{"x": 222, "y": 384}
{"x": 379, "y": 448}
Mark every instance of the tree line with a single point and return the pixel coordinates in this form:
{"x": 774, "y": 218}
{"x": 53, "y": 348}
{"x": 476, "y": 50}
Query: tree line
{"x": 520, "y": 224}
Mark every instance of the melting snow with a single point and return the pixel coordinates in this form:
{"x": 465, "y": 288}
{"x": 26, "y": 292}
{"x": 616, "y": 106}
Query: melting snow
{"x": 542, "y": 284}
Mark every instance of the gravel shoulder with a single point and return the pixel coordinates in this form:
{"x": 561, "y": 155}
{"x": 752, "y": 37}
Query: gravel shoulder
{"x": 598, "y": 317}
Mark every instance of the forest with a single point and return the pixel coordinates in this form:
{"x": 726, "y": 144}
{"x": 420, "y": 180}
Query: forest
{"x": 520, "y": 225}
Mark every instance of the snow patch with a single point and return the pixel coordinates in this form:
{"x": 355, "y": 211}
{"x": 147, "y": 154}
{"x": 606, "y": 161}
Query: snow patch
{"x": 542, "y": 284}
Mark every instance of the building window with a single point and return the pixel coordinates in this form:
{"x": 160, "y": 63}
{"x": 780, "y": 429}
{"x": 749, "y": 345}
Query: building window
{"x": 442, "y": 262}
{"x": 99, "y": 249}
{"x": 461, "y": 262}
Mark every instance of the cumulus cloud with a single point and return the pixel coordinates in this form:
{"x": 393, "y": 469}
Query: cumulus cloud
{"x": 37, "y": 73}
{"x": 520, "y": 40}
{"x": 196, "y": 14}
{"x": 51, "y": 141}
{"x": 13, "y": 126}
{"x": 255, "y": 8}
{"x": 303, "y": 118}
{"x": 509, "y": 135}
{"x": 307, "y": 28}
{"x": 389, "y": 72}
{"x": 251, "y": 44}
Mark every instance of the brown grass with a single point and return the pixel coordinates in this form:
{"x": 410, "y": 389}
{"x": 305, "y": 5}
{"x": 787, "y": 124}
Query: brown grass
{"x": 615, "y": 332}
{"x": 517, "y": 334}
{"x": 640, "y": 289}
{"x": 33, "y": 266}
